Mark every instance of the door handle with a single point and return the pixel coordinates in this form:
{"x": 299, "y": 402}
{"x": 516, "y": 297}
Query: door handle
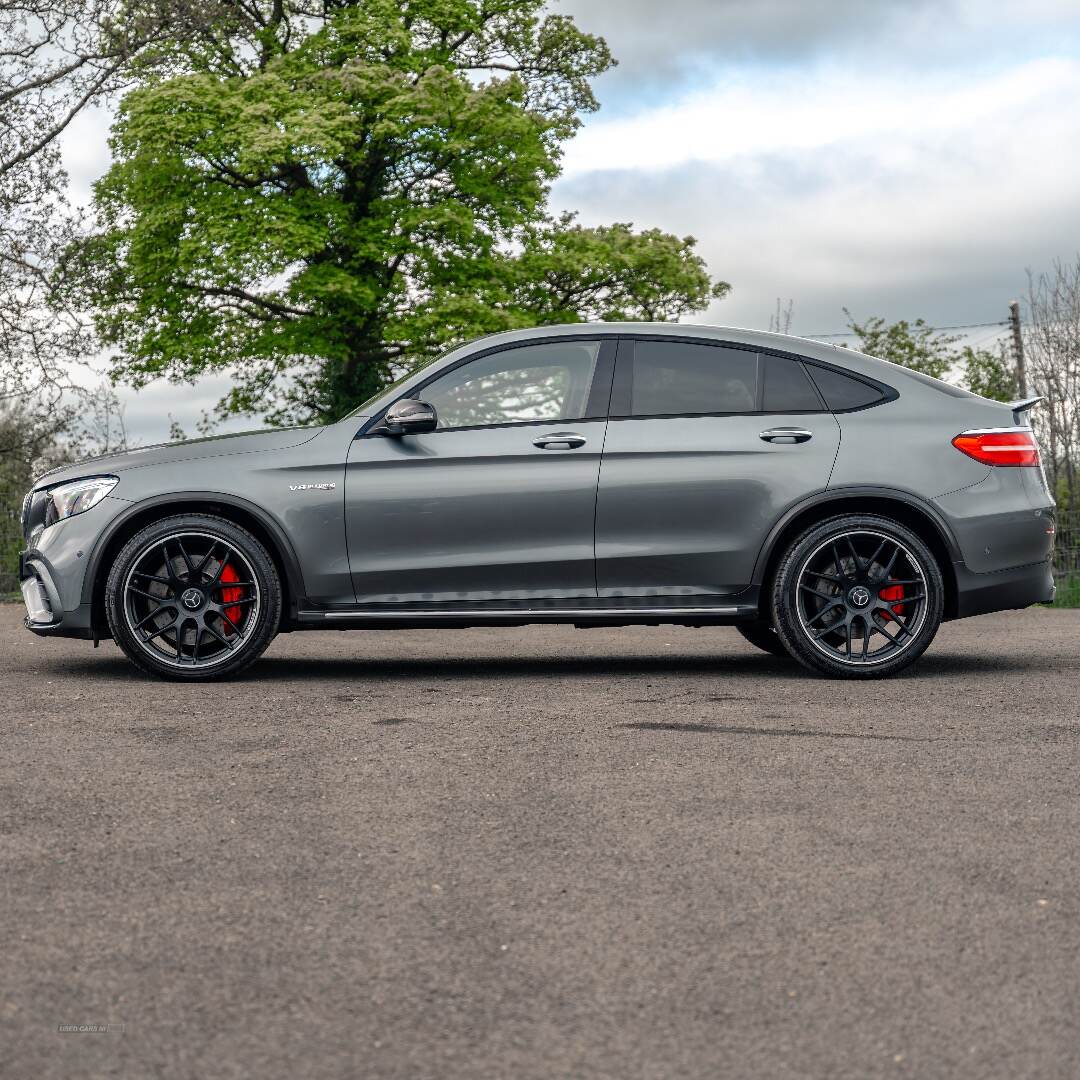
{"x": 786, "y": 435}
{"x": 559, "y": 440}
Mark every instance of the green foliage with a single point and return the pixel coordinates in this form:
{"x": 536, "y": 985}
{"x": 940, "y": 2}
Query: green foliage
{"x": 910, "y": 344}
{"x": 988, "y": 374}
{"x": 313, "y": 201}
{"x": 919, "y": 347}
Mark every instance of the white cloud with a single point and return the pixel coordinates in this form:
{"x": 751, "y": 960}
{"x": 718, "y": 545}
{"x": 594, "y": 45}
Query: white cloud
{"x": 754, "y": 113}
{"x": 895, "y": 195}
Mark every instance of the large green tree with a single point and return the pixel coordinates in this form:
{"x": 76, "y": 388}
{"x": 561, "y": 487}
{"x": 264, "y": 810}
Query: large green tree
{"x": 314, "y": 195}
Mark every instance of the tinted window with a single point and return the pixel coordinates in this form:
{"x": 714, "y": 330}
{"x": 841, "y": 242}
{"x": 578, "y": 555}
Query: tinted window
{"x": 843, "y": 392}
{"x": 787, "y": 388}
{"x": 533, "y": 382}
{"x": 675, "y": 378}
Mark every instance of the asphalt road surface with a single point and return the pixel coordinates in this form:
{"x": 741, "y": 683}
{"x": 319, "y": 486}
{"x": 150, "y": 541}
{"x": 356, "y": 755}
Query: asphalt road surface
{"x": 543, "y": 852}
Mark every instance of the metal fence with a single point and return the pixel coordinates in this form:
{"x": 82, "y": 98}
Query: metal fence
{"x": 1066, "y": 556}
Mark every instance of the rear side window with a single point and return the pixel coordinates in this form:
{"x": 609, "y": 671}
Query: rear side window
{"x": 842, "y": 392}
{"x": 678, "y": 378}
{"x": 787, "y": 387}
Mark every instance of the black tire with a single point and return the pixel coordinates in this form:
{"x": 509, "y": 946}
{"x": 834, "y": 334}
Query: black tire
{"x": 193, "y": 597}
{"x": 857, "y": 597}
{"x": 763, "y": 636}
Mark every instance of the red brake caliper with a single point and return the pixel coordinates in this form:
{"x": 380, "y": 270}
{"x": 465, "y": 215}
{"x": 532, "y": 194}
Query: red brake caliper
{"x": 891, "y": 595}
{"x": 230, "y": 596}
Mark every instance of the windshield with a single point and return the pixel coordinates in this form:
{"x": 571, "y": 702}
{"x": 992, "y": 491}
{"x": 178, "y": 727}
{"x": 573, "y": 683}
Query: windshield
{"x": 376, "y": 401}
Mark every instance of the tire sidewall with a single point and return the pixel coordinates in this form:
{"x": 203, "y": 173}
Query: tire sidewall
{"x": 785, "y": 592}
{"x": 269, "y": 613}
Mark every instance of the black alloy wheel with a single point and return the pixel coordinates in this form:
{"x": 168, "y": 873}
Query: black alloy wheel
{"x": 193, "y": 597}
{"x": 858, "y": 597}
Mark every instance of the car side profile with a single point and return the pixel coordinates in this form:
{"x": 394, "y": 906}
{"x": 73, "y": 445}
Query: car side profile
{"x": 831, "y": 506}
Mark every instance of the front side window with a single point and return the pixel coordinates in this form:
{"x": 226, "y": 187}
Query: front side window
{"x": 678, "y": 378}
{"x": 530, "y": 383}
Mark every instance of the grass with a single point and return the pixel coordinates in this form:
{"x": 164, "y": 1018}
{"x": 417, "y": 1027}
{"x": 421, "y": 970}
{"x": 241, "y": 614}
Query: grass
{"x": 1068, "y": 592}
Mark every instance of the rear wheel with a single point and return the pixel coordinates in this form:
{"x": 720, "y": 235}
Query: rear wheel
{"x": 763, "y": 636}
{"x": 193, "y": 597}
{"x": 858, "y": 597}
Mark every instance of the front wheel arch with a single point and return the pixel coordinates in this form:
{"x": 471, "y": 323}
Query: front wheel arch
{"x": 237, "y": 511}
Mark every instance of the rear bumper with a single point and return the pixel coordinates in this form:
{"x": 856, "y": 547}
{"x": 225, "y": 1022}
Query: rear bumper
{"x": 1002, "y": 590}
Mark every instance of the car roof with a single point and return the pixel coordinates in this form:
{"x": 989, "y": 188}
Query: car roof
{"x": 763, "y": 339}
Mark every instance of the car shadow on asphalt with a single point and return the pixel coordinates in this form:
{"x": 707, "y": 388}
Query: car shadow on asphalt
{"x": 784, "y": 733}
{"x": 313, "y": 669}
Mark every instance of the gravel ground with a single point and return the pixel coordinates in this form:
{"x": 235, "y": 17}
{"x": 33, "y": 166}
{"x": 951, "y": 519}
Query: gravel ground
{"x": 543, "y": 852}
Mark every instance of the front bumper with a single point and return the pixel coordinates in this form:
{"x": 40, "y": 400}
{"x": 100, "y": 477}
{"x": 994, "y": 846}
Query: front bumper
{"x": 1003, "y": 590}
{"x": 45, "y": 613}
{"x": 53, "y": 571}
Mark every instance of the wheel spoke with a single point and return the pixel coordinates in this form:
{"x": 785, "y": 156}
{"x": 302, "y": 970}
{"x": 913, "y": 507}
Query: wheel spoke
{"x": 839, "y": 562}
{"x": 149, "y": 595}
{"x": 187, "y": 558}
{"x": 238, "y": 603}
{"x": 222, "y": 563}
{"x": 816, "y": 592}
{"x": 152, "y": 577}
{"x": 891, "y": 563}
{"x": 906, "y": 600}
{"x": 226, "y": 618}
{"x": 160, "y": 630}
{"x": 826, "y": 577}
{"x": 824, "y": 611}
{"x": 211, "y": 629}
{"x": 874, "y": 557}
{"x": 854, "y": 553}
{"x": 174, "y": 578}
{"x": 200, "y": 569}
{"x": 866, "y": 637}
{"x": 150, "y": 617}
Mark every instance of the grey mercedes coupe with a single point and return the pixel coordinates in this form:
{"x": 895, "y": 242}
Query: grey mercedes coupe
{"x": 831, "y": 507}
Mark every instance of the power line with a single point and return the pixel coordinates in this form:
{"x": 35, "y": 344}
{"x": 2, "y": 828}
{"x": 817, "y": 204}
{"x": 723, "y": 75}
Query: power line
{"x": 936, "y": 329}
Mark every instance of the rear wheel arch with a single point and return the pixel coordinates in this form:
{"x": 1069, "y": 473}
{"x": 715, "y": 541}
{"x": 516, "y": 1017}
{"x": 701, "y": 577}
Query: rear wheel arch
{"x": 917, "y": 517}
{"x": 239, "y": 512}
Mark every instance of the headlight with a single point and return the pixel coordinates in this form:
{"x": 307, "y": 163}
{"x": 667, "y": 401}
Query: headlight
{"x": 66, "y": 500}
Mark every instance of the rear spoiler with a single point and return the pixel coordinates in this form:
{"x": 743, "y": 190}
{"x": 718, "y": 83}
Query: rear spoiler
{"x": 1019, "y": 408}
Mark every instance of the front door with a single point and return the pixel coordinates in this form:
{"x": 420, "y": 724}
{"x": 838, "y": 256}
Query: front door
{"x": 489, "y": 507}
{"x": 706, "y": 448}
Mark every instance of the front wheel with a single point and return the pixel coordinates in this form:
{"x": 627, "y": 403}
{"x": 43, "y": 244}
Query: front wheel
{"x": 858, "y": 597}
{"x": 193, "y": 597}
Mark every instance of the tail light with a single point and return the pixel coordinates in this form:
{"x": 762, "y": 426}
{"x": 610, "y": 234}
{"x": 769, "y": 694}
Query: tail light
{"x": 1001, "y": 446}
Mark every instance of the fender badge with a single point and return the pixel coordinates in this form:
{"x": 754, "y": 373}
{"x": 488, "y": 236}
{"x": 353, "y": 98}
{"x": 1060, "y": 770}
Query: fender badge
{"x": 312, "y": 487}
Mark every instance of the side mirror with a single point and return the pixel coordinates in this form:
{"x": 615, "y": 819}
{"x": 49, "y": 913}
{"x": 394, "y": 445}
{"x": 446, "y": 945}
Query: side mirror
{"x": 409, "y": 417}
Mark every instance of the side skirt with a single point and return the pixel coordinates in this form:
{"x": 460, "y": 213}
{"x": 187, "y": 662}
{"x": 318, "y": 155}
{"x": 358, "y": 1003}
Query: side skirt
{"x": 583, "y": 617}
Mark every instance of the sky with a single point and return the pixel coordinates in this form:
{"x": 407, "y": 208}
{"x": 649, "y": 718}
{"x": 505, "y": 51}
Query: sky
{"x": 904, "y": 158}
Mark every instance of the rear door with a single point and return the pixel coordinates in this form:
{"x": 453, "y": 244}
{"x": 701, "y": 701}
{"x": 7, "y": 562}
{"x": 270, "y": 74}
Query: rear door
{"x": 707, "y": 446}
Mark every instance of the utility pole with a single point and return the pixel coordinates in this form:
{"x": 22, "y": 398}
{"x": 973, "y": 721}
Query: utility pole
{"x": 1018, "y": 347}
